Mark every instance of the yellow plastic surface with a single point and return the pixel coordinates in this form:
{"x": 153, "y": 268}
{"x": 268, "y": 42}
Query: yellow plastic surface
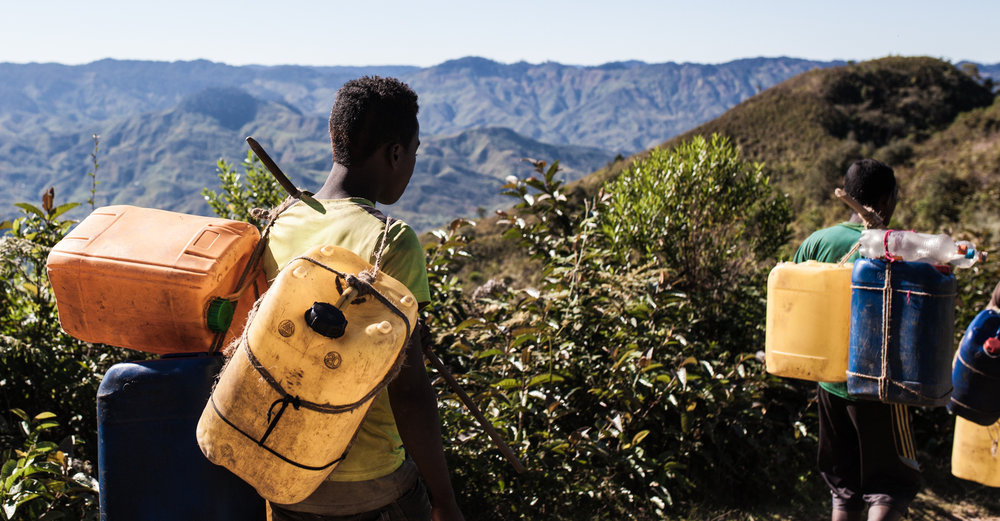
{"x": 975, "y": 455}
{"x": 143, "y": 279}
{"x": 808, "y": 321}
{"x": 306, "y": 365}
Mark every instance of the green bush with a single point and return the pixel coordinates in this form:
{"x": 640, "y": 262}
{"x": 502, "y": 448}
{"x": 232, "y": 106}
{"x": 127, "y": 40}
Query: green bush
{"x": 239, "y": 194}
{"x": 43, "y": 368}
{"x": 43, "y": 480}
{"x": 603, "y": 377}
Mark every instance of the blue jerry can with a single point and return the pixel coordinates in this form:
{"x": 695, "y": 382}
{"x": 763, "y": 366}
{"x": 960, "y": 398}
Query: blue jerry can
{"x": 976, "y": 373}
{"x": 150, "y": 466}
{"x": 902, "y": 324}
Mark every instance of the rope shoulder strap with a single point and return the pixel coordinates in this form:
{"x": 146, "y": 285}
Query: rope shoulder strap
{"x": 255, "y": 260}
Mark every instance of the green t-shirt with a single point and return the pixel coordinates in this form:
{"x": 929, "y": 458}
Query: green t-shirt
{"x": 356, "y": 225}
{"x": 830, "y": 245}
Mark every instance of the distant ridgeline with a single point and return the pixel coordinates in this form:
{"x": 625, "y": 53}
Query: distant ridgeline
{"x": 162, "y": 126}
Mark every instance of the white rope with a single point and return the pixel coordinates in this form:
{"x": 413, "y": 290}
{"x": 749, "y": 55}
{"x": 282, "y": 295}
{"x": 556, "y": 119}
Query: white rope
{"x": 370, "y": 274}
{"x": 883, "y": 381}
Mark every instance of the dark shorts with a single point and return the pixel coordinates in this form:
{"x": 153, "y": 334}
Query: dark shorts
{"x": 414, "y": 505}
{"x": 866, "y": 453}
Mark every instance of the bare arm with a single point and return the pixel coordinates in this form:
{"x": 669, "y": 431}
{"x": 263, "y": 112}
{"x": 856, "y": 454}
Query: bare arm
{"x": 414, "y": 406}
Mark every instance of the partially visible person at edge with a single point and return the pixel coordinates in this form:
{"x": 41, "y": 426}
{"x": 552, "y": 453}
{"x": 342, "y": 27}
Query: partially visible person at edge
{"x": 866, "y": 453}
{"x": 395, "y": 469}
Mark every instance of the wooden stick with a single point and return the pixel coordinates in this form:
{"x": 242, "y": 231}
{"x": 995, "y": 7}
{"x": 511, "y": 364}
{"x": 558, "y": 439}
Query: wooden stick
{"x": 872, "y": 219}
{"x": 467, "y": 401}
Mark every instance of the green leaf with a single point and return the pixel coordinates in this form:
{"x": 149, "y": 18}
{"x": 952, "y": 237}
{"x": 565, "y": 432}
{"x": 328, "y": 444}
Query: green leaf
{"x": 522, "y": 339}
{"x": 45, "y": 416}
{"x": 545, "y": 378}
{"x": 508, "y": 383}
{"x": 469, "y": 322}
{"x": 46, "y": 446}
{"x": 30, "y": 208}
{"x": 641, "y": 435}
{"x": 63, "y": 208}
{"x": 489, "y": 352}
{"x": 8, "y": 469}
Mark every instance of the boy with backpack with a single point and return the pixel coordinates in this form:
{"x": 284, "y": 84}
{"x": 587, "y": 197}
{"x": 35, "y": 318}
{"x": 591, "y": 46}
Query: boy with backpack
{"x": 395, "y": 469}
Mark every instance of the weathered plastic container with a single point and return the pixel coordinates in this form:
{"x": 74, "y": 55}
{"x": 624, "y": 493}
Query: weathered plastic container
{"x": 149, "y": 463}
{"x": 975, "y": 455}
{"x": 293, "y": 395}
{"x": 976, "y": 372}
{"x": 808, "y": 321}
{"x": 153, "y": 280}
{"x": 902, "y": 323}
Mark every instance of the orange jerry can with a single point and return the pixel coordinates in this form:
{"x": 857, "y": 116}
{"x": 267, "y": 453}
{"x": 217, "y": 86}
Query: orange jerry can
{"x": 155, "y": 281}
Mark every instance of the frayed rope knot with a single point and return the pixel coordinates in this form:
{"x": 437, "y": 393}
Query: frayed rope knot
{"x": 260, "y": 214}
{"x": 362, "y": 282}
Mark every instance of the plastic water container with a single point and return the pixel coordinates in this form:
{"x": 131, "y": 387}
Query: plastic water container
{"x": 153, "y": 280}
{"x": 314, "y": 356}
{"x": 918, "y": 247}
{"x": 976, "y": 372}
{"x": 902, "y": 316}
{"x": 149, "y": 464}
{"x": 974, "y": 454}
{"x": 808, "y": 321}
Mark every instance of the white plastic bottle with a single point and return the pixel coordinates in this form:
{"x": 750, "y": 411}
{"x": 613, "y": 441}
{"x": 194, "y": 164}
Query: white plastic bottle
{"x": 918, "y": 247}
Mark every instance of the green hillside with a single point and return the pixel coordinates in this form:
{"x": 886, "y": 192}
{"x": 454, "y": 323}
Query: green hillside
{"x": 809, "y": 128}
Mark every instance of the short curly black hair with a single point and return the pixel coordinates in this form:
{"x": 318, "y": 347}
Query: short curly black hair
{"x": 868, "y": 181}
{"x": 368, "y": 112}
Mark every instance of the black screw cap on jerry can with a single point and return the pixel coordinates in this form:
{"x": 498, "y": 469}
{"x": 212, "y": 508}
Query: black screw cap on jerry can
{"x": 325, "y": 319}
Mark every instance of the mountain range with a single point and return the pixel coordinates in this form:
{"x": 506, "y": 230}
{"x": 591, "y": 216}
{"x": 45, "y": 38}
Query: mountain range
{"x": 162, "y": 126}
{"x": 935, "y": 124}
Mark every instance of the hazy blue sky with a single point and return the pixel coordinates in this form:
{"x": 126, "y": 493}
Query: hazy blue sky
{"x": 415, "y": 32}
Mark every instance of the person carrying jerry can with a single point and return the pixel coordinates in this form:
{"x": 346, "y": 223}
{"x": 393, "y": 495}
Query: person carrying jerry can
{"x": 866, "y": 453}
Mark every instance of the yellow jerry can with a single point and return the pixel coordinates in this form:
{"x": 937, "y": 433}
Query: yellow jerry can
{"x": 808, "y": 321}
{"x": 974, "y": 455}
{"x": 323, "y": 342}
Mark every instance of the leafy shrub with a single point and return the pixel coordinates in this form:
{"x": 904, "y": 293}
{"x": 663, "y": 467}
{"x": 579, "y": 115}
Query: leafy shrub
{"x": 43, "y": 368}
{"x": 602, "y": 378}
{"x": 44, "y": 481}
{"x": 240, "y": 193}
{"x": 710, "y": 221}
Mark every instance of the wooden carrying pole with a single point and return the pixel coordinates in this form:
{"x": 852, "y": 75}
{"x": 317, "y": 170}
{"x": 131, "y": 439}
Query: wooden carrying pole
{"x": 467, "y": 401}
{"x": 872, "y": 219}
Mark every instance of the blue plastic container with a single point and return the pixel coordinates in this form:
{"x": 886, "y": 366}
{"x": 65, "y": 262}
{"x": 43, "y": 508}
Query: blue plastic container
{"x": 150, "y": 466}
{"x": 902, "y": 324}
{"x": 976, "y": 375}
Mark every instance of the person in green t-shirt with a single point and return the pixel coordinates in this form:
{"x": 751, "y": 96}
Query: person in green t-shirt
{"x": 395, "y": 468}
{"x": 866, "y": 452}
